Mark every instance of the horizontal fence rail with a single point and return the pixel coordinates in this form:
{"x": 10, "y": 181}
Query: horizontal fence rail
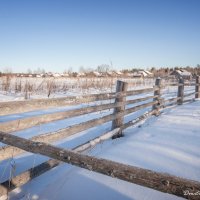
{"x": 13, "y": 107}
{"x": 28, "y": 122}
{"x": 8, "y": 151}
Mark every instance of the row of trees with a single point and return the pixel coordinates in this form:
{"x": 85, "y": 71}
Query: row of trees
{"x": 166, "y": 71}
{"x": 105, "y": 68}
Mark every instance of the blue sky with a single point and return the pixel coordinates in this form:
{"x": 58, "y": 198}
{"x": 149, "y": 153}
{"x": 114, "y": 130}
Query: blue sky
{"x": 56, "y": 35}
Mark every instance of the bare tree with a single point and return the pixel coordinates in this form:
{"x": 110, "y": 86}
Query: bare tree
{"x": 7, "y": 70}
{"x": 103, "y": 68}
{"x": 29, "y": 71}
{"x": 81, "y": 69}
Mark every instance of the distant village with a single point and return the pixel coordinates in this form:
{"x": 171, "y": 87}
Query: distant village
{"x": 186, "y": 73}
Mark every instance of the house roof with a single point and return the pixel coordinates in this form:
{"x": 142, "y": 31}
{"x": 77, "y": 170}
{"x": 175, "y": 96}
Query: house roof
{"x": 143, "y": 73}
{"x": 183, "y": 72}
{"x": 148, "y": 72}
{"x": 96, "y": 73}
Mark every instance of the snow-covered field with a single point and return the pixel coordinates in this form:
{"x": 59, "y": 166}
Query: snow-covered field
{"x": 168, "y": 143}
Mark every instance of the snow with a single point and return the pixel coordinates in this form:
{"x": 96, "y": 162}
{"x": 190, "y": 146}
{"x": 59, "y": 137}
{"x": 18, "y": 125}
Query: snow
{"x": 169, "y": 143}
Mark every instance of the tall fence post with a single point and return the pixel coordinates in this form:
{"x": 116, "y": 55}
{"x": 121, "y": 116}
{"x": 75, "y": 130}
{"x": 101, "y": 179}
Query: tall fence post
{"x": 180, "y": 91}
{"x": 157, "y": 93}
{"x": 197, "y": 88}
{"x": 120, "y": 88}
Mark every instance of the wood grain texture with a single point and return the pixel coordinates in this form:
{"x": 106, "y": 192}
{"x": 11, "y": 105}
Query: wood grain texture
{"x": 118, "y": 122}
{"x": 197, "y": 87}
{"x": 180, "y": 91}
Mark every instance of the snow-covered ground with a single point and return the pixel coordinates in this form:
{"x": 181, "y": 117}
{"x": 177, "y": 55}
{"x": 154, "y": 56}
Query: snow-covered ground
{"x": 168, "y": 143}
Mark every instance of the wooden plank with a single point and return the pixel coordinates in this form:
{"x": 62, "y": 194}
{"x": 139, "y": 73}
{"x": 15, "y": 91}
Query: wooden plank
{"x": 137, "y": 120}
{"x": 141, "y": 91}
{"x": 179, "y": 84}
{"x": 8, "y": 151}
{"x": 128, "y": 102}
{"x": 13, "y": 107}
{"x": 118, "y": 122}
{"x": 147, "y": 178}
{"x": 171, "y": 84}
{"x": 28, "y": 122}
{"x": 40, "y": 169}
{"x": 197, "y": 87}
{"x": 157, "y": 93}
{"x": 20, "y": 124}
{"x": 189, "y": 100}
{"x": 171, "y": 99}
{"x": 180, "y": 91}
{"x": 189, "y": 94}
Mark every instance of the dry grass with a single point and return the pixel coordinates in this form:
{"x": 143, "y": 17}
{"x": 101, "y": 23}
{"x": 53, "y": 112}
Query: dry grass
{"x": 49, "y": 86}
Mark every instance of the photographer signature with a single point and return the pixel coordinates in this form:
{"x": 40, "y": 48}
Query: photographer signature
{"x": 187, "y": 192}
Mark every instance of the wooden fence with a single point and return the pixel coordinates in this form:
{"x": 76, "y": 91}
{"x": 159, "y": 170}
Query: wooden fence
{"x": 41, "y": 143}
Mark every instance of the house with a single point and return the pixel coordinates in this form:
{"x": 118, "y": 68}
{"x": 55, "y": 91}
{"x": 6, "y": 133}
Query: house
{"x": 107, "y": 74}
{"x": 116, "y": 73}
{"x": 149, "y": 74}
{"x": 94, "y": 74}
{"x": 142, "y": 74}
{"x": 119, "y": 73}
{"x": 137, "y": 75}
{"x": 42, "y": 75}
{"x": 80, "y": 74}
{"x": 182, "y": 73}
{"x": 64, "y": 75}
{"x": 56, "y": 75}
{"x": 49, "y": 74}
{"x": 97, "y": 74}
{"x": 128, "y": 74}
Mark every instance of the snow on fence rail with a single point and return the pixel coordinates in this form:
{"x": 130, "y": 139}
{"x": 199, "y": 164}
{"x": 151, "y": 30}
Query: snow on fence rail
{"x": 136, "y": 174}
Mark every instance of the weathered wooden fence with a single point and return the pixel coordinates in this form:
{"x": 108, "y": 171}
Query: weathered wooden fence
{"x": 41, "y": 143}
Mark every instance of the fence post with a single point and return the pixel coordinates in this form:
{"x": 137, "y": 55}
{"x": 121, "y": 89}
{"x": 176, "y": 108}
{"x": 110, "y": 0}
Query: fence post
{"x": 122, "y": 88}
{"x": 180, "y": 91}
{"x": 156, "y": 107}
{"x": 197, "y": 88}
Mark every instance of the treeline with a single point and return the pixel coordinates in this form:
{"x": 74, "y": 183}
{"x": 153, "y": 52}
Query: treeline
{"x": 104, "y": 68}
{"x": 165, "y": 71}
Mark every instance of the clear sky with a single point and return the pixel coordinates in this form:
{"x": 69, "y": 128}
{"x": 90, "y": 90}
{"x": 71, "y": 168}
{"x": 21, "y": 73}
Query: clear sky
{"x": 58, "y": 34}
